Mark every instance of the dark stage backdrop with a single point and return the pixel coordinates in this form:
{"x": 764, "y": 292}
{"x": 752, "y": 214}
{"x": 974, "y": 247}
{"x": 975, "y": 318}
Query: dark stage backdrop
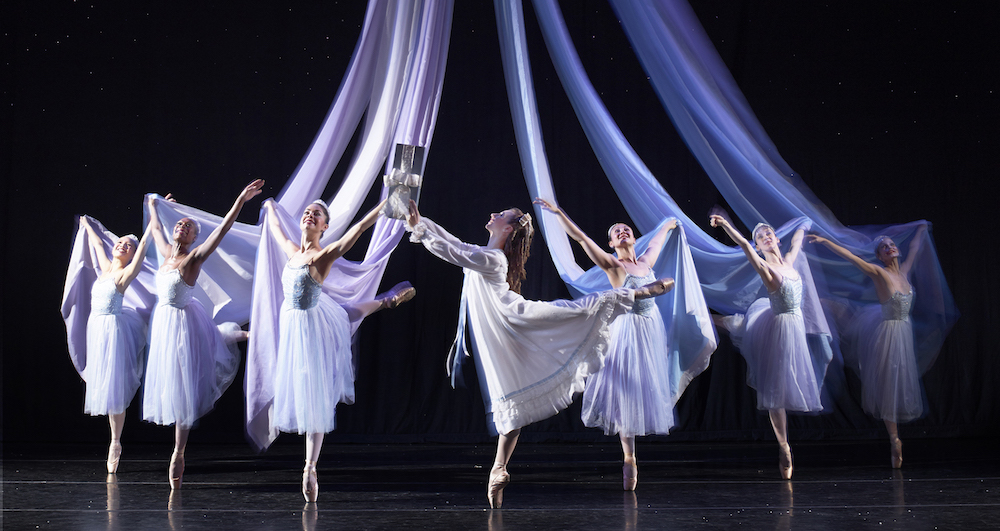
{"x": 887, "y": 109}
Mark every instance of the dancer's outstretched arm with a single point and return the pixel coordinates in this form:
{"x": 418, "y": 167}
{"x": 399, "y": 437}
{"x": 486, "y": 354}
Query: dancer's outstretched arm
{"x": 652, "y": 253}
{"x": 277, "y": 232}
{"x": 203, "y": 251}
{"x": 599, "y": 256}
{"x": 98, "y": 244}
{"x": 323, "y": 260}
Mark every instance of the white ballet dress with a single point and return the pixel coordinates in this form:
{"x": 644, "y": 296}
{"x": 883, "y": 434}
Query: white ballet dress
{"x": 531, "y": 356}
{"x": 313, "y": 371}
{"x": 631, "y": 394}
{"x": 116, "y": 350}
{"x": 883, "y": 336}
{"x": 774, "y": 344}
{"x": 190, "y": 365}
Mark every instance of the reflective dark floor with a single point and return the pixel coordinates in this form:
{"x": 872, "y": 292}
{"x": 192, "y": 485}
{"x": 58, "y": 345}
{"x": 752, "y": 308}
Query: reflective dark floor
{"x": 944, "y": 484}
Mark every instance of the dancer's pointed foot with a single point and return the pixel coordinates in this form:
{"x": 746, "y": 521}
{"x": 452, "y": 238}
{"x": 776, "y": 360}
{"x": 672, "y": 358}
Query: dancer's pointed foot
{"x": 310, "y": 485}
{"x": 176, "y": 471}
{"x": 897, "y": 452}
{"x": 399, "y": 294}
{"x": 114, "y": 455}
{"x": 630, "y": 473}
{"x": 499, "y": 478}
{"x": 785, "y": 460}
{"x": 655, "y": 288}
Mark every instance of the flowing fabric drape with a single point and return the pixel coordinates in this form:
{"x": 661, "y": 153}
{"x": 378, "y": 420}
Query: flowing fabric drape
{"x": 692, "y": 338}
{"x": 402, "y": 104}
{"x": 715, "y": 120}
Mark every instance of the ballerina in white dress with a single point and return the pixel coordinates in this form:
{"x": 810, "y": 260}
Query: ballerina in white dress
{"x": 883, "y": 338}
{"x": 116, "y": 336}
{"x": 190, "y": 364}
{"x": 313, "y": 367}
{"x": 774, "y": 343}
{"x": 531, "y": 356}
{"x": 630, "y": 396}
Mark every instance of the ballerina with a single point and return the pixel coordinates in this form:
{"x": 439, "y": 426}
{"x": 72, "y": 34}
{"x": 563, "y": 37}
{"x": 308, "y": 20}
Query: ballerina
{"x": 884, "y": 338}
{"x": 190, "y": 364}
{"x": 531, "y": 356}
{"x": 116, "y": 336}
{"x": 630, "y": 396}
{"x": 774, "y": 340}
{"x": 314, "y": 370}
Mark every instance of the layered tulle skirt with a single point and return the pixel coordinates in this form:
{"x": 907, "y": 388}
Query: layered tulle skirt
{"x": 190, "y": 365}
{"x": 890, "y": 380}
{"x": 779, "y": 365}
{"x": 116, "y": 355}
{"x": 314, "y": 370}
{"x": 631, "y": 394}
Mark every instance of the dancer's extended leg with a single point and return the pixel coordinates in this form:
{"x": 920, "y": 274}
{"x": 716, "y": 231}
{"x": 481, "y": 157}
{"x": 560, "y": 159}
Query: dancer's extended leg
{"x": 779, "y": 422}
{"x": 117, "y": 424}
{"x": 630, "y": 470}
{"x": 499, "y": 478}
{"x": 310, "y": 484}
{"x": 176, "y": 471}
{"x": 896, "y": 458}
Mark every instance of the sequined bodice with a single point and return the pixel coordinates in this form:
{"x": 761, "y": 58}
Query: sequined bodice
{"x": 897, "y": 308}
{"x": 788, "y": 297}
{"x": 105, "y": 298}
{"x": 641, "y": 306}
{"x": 301, "y": 289}
{"x": 171, "y": 290}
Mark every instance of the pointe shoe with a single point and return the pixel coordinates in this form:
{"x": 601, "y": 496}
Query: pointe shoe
{"x": 176, "y": 471}
{"x": 785, "y": 461}
{"x": 630, "y": 474}
{"x": 114, "y": 455}
{"x": 655, "y": 288}
{"x": 399, "y": 294}
{"x": 897, "y": 452}
{"x": 494, "y": 491}
{"x": 310, "y": 485}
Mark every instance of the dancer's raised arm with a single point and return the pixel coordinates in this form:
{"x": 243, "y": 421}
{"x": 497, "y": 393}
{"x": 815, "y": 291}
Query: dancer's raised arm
{"x": 913, "y": 250}
{"x": 98, "y": 245}
{"x": 203, "y": 251}
{"x": 652, "y": 252}
{"x": 599, "y": 256}
{"x": 867, "y": 268}
{"x": 323, "y": 260}
{"x": 162, "y": 244}
{"x": 278, "y": 233}
{"x": 718, "y": 219}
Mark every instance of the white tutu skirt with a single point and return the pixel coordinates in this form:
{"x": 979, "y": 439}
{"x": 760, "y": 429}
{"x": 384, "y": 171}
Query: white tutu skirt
{"x": 779, "y": 366}
{"x": 890, "y": 379}
{"x": 190, "y": 365}
{"x": 314, "y": 371}
{"x": 116, "y": 350}
{"x": 630, "y": 395}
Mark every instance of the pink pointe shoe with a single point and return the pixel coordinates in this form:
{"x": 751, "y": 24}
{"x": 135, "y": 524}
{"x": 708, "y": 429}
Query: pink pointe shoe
{"x": 494, "y": 491}
{"x": 897, "y": 452}
{"x": 176, "y": 471}
{"x": 114, "y": 455}
{"x": 399, "y": 294}
{"x": 630, "y": 474}
{"x": 310, "y": 484}
{"x": 785, "y": 460}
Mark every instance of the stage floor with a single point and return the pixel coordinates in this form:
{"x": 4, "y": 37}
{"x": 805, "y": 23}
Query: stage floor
{"x": 944, "y": 484}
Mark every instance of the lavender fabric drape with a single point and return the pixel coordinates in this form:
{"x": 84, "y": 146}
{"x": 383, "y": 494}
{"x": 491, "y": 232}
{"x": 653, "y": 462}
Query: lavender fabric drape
{"x": 716, "y": 122}
{"x": 409, "y": 58}
{"x": 692, "y": 337}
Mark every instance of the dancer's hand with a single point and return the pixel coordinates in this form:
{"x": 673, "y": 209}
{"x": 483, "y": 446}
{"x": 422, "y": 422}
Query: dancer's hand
{"x": 816, "y": 238}
{"x": 414, "y": 216}
{"x": 546, "y": 205}
{"x": 252, "y": 190}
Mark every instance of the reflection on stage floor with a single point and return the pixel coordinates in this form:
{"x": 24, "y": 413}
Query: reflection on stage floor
{"x": 944, "y": 484}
